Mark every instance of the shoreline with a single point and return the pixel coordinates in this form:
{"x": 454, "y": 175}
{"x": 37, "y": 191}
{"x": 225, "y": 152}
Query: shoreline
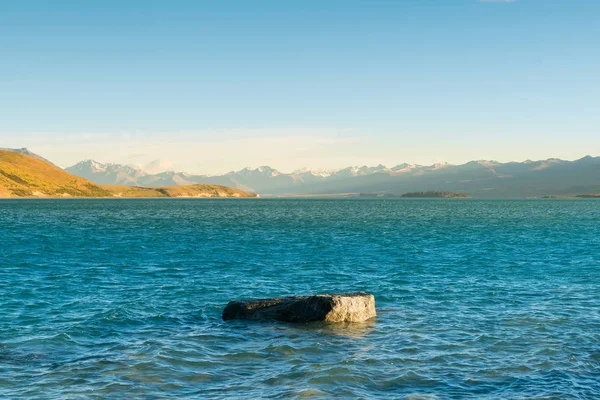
{"x": 302, "y": 197}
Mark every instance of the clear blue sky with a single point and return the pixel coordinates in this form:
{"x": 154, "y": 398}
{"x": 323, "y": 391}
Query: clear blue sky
{"x": 216, "y": 85}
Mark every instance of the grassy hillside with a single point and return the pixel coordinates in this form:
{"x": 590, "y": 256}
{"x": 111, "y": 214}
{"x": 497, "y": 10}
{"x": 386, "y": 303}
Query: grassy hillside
{"x": 199, "y": 190}
{"x": 25, "y": 176}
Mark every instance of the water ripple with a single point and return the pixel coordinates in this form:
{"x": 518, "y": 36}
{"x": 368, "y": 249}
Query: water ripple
{"x": 476, "y": 299}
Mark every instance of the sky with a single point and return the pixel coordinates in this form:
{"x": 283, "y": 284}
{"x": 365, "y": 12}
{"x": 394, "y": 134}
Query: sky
{"x": 214, "y": 86}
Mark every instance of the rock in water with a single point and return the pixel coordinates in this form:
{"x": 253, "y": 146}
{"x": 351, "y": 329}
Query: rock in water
{"x": 346, "y": 307}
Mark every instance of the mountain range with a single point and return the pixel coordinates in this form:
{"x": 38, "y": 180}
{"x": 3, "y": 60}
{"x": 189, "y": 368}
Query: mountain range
{"x": 480, "y": 178}
{"x": 26, "y": 174}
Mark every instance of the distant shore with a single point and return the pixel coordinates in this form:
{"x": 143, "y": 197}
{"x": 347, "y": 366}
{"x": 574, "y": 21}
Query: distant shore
{"x": 577, "y": 196}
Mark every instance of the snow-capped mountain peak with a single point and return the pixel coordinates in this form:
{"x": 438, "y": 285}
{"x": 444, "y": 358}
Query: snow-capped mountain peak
{"x": 323, "y": 173}
{"x": 96, "y": 166}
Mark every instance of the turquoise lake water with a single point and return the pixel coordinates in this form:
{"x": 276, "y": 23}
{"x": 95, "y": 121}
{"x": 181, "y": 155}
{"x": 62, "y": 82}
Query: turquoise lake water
{"x": 482, "y": 299}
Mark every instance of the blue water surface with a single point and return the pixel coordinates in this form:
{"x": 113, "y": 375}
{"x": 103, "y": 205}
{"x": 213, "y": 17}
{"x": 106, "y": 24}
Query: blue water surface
{"x": 482, "y": 299}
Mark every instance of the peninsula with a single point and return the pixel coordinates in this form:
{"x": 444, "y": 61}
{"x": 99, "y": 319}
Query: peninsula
{"x": 436, "y": 194}
{"x": 577, "y": 196}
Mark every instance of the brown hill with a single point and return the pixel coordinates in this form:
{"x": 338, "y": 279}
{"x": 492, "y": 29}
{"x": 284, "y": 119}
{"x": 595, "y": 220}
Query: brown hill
{"x": 199, "y": 190}
{"x": 24, "y": 176}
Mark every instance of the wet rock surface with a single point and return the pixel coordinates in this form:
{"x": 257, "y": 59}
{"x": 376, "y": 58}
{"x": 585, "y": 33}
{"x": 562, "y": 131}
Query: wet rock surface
{"x": 345, "y": 307}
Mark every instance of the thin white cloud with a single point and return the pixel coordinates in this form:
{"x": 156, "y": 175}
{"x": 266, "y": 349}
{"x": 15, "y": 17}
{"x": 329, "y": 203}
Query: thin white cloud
{"x": 216, "y": 152}
{"x": 210, "y": 152}
{"x": 158, "y": 166}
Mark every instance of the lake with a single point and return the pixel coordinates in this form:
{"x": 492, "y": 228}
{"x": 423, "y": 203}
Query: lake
{"x": 121, "y": 298}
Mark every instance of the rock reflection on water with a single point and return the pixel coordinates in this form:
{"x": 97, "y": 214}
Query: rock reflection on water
{"x": 311, "y": 329}
{"x": 345, "y": 329}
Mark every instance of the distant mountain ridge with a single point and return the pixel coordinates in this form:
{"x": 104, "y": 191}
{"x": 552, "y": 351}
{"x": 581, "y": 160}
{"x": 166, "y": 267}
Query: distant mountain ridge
{"x": 480, "y": 178}
{"x": 107, "y": 174}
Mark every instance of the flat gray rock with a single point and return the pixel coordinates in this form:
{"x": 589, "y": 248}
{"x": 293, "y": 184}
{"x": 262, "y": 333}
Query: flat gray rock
{"x": 346, "y": 307}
